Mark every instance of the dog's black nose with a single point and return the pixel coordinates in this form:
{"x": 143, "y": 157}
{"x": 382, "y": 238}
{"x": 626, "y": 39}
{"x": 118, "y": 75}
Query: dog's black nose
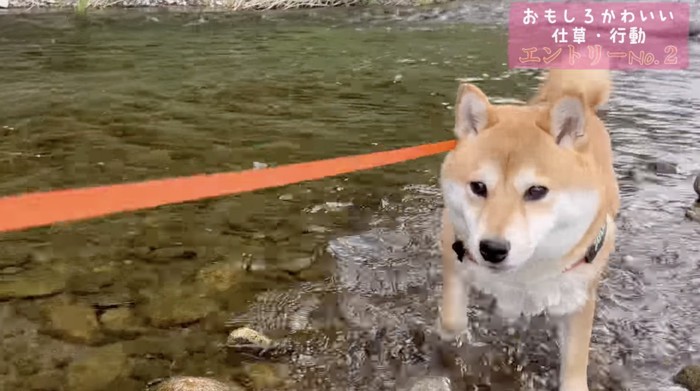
{"x": 494, "y": 251}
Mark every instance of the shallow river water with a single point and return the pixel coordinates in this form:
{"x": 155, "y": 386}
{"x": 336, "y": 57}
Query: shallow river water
{"x": 346, "y": 269}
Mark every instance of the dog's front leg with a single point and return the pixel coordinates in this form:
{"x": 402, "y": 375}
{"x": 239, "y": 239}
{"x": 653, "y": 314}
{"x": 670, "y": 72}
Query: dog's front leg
{"x": 453, "y": 311}
{"x": 574, "y": 342}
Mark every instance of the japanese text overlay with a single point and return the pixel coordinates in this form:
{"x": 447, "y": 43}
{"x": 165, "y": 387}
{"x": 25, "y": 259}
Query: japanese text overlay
{"x": 596, "y": 35}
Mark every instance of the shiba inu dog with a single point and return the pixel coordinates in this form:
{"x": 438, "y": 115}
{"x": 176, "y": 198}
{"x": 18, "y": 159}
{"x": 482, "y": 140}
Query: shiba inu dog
{"x": 530, "y": 204}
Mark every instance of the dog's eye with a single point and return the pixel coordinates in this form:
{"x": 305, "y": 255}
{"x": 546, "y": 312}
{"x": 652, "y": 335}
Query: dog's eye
{"x": 478, "y": 188}
{"x": 535, "y": 193}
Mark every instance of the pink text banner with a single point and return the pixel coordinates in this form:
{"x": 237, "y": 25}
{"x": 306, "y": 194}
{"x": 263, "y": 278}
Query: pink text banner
{"x": 583, "y": 35}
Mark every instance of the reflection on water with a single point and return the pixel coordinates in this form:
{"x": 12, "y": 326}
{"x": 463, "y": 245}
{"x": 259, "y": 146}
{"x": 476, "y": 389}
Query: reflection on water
{"x": 346, "y": 269}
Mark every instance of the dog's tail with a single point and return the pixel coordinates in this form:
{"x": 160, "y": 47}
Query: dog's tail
{"x": 593, "y": 85}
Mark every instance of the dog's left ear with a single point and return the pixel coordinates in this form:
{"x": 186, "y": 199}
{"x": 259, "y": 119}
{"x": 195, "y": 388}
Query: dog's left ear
{"x": 473, "y": 111}
{"x": 567, "y": 121}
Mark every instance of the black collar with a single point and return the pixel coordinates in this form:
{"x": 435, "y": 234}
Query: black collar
{"x": 591, "y": 252}
{"x": 594, "y": 248}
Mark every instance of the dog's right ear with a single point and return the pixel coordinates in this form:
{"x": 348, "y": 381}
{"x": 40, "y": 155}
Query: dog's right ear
{"x": 472, "y": 111}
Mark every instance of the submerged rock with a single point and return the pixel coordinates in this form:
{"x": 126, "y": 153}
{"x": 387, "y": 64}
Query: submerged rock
{"x": 122, "y": 321}
{"x": 295, "y": 265}
{"x": 172, "y": 349}
{"x": 115, "y": 298}
{"x": 191, "y": 383}
{"x": 245, "y": 336}
{"x": 10, "y": 270}
{"x": 98, "y": 370}
{"x": 8, "y": 258}
{"x": 265, "y": 376}
{"x": 90, "y": 282}
{"x": 176, "y": 305}
{"x": 245, "y": 340}
{"x": 662, "y": 167}
{"x": 175, "y": 310}
{"x": 689, "y": 377}
{"x": 145, "y": 369}
{"x": 73, "y": 322}
{"x": 33, "y": 283}
{"x": 432, "y": 384}
{"x": 49, "y": 380}
{"x": 221, "y": 276}
{"x": 166, "y": 254}
{"x": 693, "y": 212}
{"x": 27, "y": 366}
{"x": 639, "y": 176}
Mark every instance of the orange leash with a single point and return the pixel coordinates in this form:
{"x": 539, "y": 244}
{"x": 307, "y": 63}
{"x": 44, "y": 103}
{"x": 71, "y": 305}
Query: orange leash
{"x": 45, "y": 208}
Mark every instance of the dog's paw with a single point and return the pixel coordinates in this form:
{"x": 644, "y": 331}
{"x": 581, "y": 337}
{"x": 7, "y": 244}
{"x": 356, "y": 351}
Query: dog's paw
{"x": 453, "y": 331}
{"x": 574, "y": 387}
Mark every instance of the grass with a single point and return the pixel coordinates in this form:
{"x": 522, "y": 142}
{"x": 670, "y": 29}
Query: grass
{"x": 291, "y": 4}
{"x": 286, "y": 4}
{"x": 82, "y": 6}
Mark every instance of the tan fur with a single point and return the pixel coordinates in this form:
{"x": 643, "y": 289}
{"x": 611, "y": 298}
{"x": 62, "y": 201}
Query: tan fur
{"x": 594, "y": 84}
{"x": 517, "y": 137}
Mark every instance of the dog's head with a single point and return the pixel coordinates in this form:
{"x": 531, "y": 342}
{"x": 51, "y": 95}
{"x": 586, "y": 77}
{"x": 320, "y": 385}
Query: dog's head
{"x": 520, "y": 186}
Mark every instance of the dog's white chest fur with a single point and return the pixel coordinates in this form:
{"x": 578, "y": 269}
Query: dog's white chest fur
{"x": 518, "y": 293}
